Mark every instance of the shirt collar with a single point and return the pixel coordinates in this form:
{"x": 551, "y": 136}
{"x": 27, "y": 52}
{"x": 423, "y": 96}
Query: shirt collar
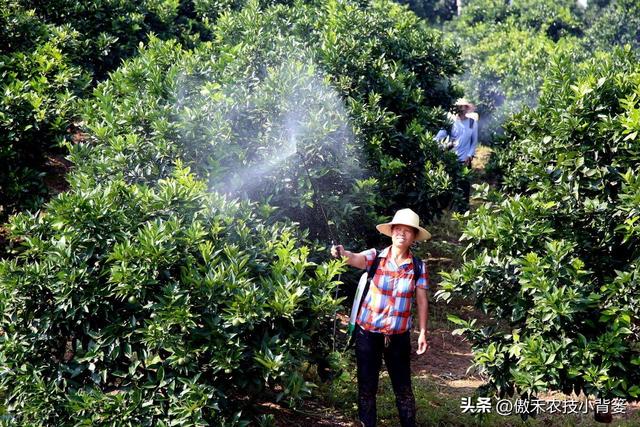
{"x": 385, "y": 254}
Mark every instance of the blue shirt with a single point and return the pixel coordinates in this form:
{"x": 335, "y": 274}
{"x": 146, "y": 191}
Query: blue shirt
{"x": 465, "y": 136}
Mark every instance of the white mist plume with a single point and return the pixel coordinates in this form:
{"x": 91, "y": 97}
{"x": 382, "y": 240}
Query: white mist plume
{"x": 258, "y": 132}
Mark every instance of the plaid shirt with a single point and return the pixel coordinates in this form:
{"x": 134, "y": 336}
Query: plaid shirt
{"x": 387, "y": 305}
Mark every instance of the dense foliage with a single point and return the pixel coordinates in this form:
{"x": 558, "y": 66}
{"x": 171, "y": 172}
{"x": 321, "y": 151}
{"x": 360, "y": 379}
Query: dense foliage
{"x": 395, "y": 76}
{"x": 111, "y": 30}
{"x": 553, "y": 258}
{"x": 39, "y": 85}
{"x": 615, "y": 24}
{"x": 434, "y": 11}
{"x": 505, "y": 72}
{"x": 261, "y": 112}
{"x": 507, "y": 46}
{"x": 57, "y": 48}
{"x": 554, "y": 19}
{"x": 174, "y": 282}
{"x": 51, "y": 53}
{"x": 138, "y": 304}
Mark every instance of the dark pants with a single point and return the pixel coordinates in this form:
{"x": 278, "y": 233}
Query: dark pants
{"x": 370, "y": 348}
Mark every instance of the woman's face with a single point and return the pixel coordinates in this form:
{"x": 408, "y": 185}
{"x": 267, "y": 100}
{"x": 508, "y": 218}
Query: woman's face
{"x": 461, "y": 110}
{"x": 402, "y": 236}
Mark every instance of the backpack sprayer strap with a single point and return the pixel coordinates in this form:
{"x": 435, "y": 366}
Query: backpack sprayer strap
{"x": 370, "y": 275}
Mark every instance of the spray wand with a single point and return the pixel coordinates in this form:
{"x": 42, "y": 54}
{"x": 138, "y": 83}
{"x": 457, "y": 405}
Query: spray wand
{"x": 332, "y": 236}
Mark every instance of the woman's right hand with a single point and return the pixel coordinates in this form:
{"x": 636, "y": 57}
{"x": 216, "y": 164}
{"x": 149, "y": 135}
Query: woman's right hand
{"x": 356, "y": 260}
{"x": 337, "y": 250}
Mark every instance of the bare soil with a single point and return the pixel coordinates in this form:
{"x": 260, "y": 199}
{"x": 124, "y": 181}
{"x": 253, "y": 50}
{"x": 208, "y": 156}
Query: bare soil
{"x": 446, "y": 362}
{"x": 56, "y": 168}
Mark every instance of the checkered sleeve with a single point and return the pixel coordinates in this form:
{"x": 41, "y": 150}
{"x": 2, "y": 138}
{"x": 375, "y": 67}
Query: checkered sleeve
{"x": 369, "y": 255}
{"x": 423, "y": 280}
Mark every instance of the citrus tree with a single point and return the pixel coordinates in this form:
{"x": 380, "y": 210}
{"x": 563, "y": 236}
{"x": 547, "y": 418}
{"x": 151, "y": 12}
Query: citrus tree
{"x": 51, "y": 53}
{"x": 111, "y": 30}
{"x": 615, "y": 24}
{"x": 40, "y": 84}
{"x": 156, "y": 304}
{"x": 552, "y": 257}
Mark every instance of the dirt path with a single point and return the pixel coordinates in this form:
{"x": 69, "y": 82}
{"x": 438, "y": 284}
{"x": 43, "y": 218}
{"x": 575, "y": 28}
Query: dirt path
{"x": 446, "y": 362}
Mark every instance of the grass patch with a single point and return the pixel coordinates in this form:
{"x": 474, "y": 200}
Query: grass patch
{"x": 439, "y": 405}
{"x": 481, "y": 159}
{"x": 342, "y": 392}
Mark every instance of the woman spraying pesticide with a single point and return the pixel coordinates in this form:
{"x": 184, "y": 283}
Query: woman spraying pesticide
{"x": 383, "y": 323}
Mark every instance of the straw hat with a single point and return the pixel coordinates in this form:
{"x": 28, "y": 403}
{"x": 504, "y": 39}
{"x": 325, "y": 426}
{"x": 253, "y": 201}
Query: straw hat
{"x": 405, "y": 217}
{"x": 463, "y": 101}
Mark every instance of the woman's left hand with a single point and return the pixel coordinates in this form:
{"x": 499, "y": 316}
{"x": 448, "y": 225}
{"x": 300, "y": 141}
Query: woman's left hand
{"x": 423, "y": 345}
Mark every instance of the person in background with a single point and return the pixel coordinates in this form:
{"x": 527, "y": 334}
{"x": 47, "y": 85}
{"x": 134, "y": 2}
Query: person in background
{"x": 464, "y": 132}
{"x": 383, "y": 324}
